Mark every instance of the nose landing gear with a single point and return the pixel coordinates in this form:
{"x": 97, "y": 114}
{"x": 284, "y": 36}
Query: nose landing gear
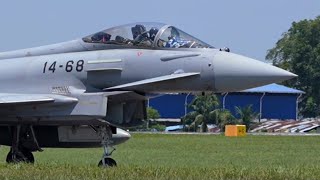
{"x": 105, "y": 133}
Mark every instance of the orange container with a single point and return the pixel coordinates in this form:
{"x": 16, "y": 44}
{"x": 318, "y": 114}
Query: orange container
{"x": 235, "y": 130}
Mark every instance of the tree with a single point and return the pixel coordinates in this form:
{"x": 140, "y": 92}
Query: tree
{"x": 206, "y": 110}
{"x": 152, "y": 114}
{"x": 224, "y": 117}
{"x": 187, "y": 120}
{"x": 298, "y": 51}
{"x": 204, "y": 107}
{"x": 246, "y": 115}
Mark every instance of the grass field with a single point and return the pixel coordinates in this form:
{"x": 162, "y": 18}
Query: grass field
{"x": 160, "y": 156}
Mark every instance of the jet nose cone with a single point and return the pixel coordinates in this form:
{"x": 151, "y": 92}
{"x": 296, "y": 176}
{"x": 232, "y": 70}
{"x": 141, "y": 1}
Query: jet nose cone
{"x": 235, "y": 72}
{"x": 281, "y": 75}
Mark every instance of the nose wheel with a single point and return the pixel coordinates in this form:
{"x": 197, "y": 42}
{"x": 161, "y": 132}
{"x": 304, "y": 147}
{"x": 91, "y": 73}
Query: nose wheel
{"x": 20, "y": 156}
{"x": 107, "y": 162}
{"x": 105, "y": 133}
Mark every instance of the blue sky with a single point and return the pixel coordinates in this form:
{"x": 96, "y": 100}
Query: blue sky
{"x": 247, "y": 27}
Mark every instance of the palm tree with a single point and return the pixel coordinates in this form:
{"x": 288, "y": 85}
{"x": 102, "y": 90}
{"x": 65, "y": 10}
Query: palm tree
{"x": 246, "y": 115}
{"x": 205, "y": 110}
{"x": 188, "y": 120}
{"x": 225, "y": 117}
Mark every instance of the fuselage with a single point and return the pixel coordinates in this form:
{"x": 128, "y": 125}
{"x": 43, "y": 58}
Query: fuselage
{"x": 96, "y": 70}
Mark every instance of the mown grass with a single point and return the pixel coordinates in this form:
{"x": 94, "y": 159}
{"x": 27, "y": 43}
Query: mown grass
{"x": 159, "y": 156}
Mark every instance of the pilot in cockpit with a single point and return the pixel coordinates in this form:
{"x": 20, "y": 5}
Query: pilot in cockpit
{"x": 141, "y": 36}
{"x": 176, "y": 41}
{"x": 152, "y": 33}
{"x": 101, "y": 37}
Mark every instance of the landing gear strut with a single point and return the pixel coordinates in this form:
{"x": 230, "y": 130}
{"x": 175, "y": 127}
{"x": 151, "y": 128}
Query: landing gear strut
{"x": 23, "y": 143}
{"x": 105, "y": 133}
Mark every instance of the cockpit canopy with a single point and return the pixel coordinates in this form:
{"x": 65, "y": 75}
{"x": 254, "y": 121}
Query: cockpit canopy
{"x": 146, "y": 35}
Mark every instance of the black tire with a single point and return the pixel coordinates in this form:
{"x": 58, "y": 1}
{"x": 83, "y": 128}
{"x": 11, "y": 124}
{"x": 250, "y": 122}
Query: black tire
{"x": 9, "y": 157}
{"x": 109, "y": 162}
{"x": 29, "y": 158}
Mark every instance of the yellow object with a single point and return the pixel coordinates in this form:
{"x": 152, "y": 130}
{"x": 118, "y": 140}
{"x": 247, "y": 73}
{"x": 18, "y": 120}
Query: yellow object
{"x": 235, "y": 130}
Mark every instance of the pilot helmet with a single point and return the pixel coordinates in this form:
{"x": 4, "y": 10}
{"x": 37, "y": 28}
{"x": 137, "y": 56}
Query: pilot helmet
{"x": 138, "y": 30}
{"x": 153, "y": 32}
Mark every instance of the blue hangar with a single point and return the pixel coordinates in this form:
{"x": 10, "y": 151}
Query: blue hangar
{"x": 271, "y": 101}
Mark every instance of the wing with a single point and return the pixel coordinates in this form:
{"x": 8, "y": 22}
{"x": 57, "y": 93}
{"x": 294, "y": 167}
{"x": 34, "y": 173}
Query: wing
{"x": 151, "y": 84}
{"x": 7, "y": 99}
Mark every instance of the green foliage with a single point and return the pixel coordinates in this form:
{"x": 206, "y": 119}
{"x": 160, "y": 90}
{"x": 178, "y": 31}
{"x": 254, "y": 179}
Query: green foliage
{"x": 206, "y": 110}
{"x": 162, "y": 157}
{"x": 224, "y": 117}
{"x": 203, "y": 107}
{"x": 189, "y": 118}
{"x": 311, "y": 107}
{"x": 158, "y": 127}
{"x": 152, "y": 113}
{"x": 246, "y": 115}
{"x": 299, "y": 52}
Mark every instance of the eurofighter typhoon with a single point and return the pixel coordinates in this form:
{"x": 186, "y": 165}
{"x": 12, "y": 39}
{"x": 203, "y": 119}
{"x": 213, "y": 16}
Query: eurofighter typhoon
{"x": 80, "y": 93}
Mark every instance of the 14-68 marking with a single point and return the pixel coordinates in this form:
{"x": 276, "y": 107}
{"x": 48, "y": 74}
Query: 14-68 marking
{"x": 69, "y": 67}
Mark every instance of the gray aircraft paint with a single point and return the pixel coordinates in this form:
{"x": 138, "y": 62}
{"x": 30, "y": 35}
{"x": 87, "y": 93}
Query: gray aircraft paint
{"x": 76, "y": 85}
{"x": 129, "y": 67}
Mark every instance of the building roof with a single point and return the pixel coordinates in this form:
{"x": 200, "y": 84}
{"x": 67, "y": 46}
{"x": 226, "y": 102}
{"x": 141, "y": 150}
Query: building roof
{"x": 273, "y": 88}
{"x": 287, "y": 126}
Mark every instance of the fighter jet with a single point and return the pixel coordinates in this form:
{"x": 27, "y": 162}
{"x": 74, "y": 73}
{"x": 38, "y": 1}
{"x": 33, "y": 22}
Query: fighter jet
{"x": 79, "y": 93}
